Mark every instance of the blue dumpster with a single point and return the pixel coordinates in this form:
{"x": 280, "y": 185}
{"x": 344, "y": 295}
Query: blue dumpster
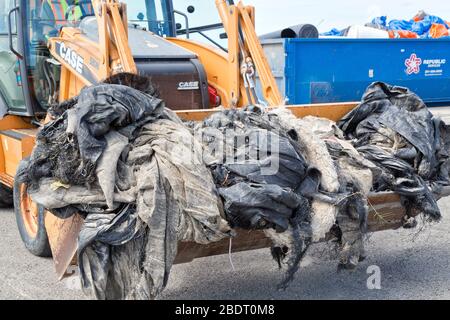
{"x": 339, "y": 70}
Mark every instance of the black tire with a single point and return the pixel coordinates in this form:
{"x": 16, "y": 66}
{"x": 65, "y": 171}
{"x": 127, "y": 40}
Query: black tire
{"x": 6, "y": 197}
{"x": 36, "y": 243}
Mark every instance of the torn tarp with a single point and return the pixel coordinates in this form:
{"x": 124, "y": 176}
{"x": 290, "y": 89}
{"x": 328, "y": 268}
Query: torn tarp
{"x": 175, "y": 200}
{"x": 262, "y": 177}
{"x": 118, "y": 157}
{"x": 393, "y": 128}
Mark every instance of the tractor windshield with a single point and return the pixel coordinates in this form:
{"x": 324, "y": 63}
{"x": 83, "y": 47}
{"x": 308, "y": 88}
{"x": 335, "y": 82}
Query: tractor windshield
{"x": 52, "y": 15}
{"x": 153, "y": 15}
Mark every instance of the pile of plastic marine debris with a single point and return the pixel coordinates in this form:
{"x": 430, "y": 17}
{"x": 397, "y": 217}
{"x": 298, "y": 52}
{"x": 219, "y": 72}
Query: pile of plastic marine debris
{"x": 422, "y": 25}
{"x": 143, "y": 180}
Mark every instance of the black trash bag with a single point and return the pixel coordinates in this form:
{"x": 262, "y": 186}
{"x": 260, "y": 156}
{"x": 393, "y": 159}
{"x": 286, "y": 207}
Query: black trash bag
{"x": 115, "y": 107}
{"x": 393, "y": 128}
{"x": 260, "y": 206}
{"x": 257, "y": 166}
{"x": 241, "y": 148}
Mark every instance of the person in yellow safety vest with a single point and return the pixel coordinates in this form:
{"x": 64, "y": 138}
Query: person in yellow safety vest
{"x": 60, "y": 12}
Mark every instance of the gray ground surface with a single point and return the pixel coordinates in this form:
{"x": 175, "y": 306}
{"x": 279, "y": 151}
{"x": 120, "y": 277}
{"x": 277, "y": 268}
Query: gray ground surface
{"x": 442, "y": 112}
{"x": 413, "y": 266}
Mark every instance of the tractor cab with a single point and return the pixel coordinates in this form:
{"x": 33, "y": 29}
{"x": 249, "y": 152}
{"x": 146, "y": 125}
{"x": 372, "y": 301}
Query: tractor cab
{"x": 25, "y": 26}
{"x": 12, "y": 98}
{"x": 32, "y": 76}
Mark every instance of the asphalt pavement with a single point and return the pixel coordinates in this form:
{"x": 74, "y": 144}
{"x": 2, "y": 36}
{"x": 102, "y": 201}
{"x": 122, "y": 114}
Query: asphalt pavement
{"x": 412, "y": 264}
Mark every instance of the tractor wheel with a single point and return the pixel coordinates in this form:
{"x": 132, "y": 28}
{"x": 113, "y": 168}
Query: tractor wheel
{"x": 6, "y": 197}
{"x": 30, "y": 221}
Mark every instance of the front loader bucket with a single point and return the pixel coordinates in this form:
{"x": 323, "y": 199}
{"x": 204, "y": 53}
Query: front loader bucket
{"x": 63, "y": 238}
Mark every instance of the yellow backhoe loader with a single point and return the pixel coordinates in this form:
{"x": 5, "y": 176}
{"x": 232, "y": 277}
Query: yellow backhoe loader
{"x": 51, "y": 49}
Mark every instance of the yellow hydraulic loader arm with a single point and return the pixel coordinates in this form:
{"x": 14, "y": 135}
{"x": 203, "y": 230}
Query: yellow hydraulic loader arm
{"x": 233, "y": 74}
{"x": 112, "y": 55}
{"x": 239, "y": 23}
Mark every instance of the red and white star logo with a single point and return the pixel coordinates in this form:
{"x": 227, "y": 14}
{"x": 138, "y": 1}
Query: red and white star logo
{"x": 413, "y": 64}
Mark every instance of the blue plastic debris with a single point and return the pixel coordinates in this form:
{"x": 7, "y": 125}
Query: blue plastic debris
{"x": 380, "y": 22}
{"x": 333, "y": 32}
{"x": 421, "y": 28}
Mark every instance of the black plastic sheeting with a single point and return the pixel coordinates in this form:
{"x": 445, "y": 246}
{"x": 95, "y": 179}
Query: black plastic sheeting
{"x": 69, "y": 147}
{"x": 393, "y": 128}
{"x": 240, "y": 148}
{"x": 255, "y": 196}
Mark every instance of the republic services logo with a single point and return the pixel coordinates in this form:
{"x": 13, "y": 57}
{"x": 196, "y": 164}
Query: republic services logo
{"x": 413, "y": 64}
